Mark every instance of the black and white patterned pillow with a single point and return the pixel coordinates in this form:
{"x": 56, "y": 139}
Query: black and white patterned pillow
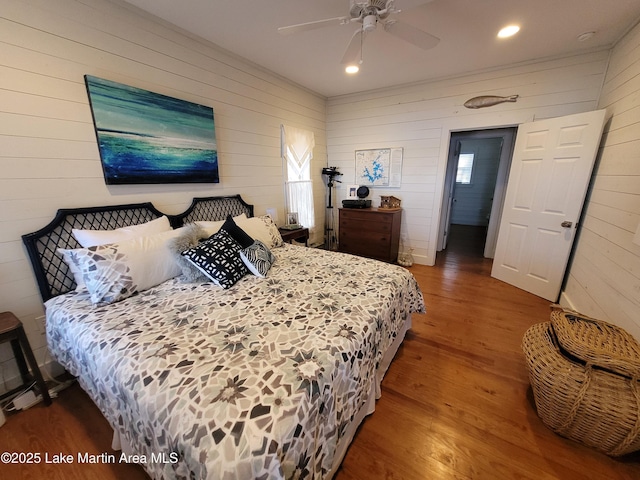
{"x": 258, "y": 258}
{"x": 218, "y": 258}
{"x": 237, "y": 233}
{"x": 104, "y": 272}
{"x": 192, "y": 236}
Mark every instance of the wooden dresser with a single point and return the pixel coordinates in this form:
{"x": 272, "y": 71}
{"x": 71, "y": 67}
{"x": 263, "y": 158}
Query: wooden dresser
{"x": 370, "y": 232}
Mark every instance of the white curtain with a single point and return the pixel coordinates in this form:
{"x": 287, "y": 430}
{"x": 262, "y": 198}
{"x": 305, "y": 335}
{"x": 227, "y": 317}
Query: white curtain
{"x": 297, "y": 152}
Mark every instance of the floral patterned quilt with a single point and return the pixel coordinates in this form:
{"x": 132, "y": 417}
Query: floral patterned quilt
{"x": 257, "y": 381}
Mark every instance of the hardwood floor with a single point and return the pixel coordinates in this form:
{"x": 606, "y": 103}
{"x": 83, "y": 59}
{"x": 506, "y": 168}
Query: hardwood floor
{"x": 455, "y": 403}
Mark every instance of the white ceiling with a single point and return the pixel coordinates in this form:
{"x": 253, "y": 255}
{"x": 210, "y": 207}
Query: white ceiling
{"x": 467, "y": 29}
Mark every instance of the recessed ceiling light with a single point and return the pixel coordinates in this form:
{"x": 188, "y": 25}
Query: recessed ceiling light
{"x": 351, "y": 69}
{"x": 508, "y": 31}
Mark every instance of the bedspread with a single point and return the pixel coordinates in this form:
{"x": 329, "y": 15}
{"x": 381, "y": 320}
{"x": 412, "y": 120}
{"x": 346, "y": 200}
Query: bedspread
{"x": 257, "y": 381}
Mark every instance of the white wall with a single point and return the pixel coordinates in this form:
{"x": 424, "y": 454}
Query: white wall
{"x": 604, "y": 276}
{"x": 49, "y": 157}
{"x": 420, "y": 117}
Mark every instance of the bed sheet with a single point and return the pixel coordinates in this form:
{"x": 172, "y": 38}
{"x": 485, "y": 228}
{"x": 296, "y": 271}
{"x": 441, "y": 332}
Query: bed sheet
{"x": 258, "y": 381}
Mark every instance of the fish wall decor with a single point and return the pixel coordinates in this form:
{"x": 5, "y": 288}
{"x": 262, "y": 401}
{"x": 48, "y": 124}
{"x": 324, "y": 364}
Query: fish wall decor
{"x": 488, "y": 101}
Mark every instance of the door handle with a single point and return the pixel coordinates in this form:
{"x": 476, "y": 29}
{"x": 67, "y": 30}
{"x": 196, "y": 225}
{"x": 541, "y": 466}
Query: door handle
{"x": 566, "y": 224}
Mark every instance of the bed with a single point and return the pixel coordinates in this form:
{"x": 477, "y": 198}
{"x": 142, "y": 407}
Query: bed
{"x": 267, "y": 378}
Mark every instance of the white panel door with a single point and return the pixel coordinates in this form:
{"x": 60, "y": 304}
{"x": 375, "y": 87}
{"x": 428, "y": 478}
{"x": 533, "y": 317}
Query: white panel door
{"x": 550, "y": 173}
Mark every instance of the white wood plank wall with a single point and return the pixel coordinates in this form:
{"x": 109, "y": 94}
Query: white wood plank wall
{"x": 420, "y": 117}
{"x": 604, "y": 279}
{"x": 49, "y": 157}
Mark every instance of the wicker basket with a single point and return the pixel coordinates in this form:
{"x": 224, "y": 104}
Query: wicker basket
{"x": 584, "y": 375}
{"x": 596, "y": 342}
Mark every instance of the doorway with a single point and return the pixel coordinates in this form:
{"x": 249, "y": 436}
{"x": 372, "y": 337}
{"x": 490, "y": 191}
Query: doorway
{"x": 475, "y": 182}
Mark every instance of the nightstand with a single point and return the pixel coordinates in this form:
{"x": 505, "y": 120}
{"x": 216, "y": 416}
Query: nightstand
{"x": 298, "y": 234}
{"x": 11, "y": 330}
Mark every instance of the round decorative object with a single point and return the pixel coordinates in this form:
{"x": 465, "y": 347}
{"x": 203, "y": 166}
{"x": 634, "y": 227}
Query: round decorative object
{"x": 406, "y": 258}
{"x": 363, "y": 192}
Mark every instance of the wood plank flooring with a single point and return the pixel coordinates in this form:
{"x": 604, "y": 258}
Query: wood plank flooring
{"x": 456, "y": 402}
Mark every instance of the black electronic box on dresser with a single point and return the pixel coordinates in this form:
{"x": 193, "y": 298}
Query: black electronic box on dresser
{"x": 370, "y": 232}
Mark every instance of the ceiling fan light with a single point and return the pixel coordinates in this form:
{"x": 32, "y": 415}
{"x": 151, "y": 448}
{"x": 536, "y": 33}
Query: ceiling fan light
{"x": 508, "y": 31}
{"x": 352, "y": 69}
{"x": 369, "y": 23}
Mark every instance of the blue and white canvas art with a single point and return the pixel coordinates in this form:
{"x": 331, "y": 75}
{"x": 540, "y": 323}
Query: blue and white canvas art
{"x": 146, "y": 137}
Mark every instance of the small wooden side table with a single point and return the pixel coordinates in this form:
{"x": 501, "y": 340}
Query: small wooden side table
{"x": 11, "y": 330}
{"x": 298, "y": 234}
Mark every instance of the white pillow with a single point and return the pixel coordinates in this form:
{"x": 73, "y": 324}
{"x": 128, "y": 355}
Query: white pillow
{"x": 210, "y": 227}
{"x": 116, "y": 271}
{"x": 91, "y": 238}
{"x": 262, "y": 228}
{"x": 214, "y": 227}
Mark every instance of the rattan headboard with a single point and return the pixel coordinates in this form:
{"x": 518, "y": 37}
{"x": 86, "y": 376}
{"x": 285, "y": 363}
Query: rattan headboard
{"x": 52, "y": 273}
{"x": 213, "y": 208}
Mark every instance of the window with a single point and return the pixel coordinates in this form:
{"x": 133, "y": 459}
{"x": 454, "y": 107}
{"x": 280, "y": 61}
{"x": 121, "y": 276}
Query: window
{"x": 297, "y": 152}
{"x": 465, "y": 167}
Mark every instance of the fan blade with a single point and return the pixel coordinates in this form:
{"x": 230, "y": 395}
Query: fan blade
{"x": 302, "y": 27}
{"x": 411, "y": 34}
{"x": 354, "y": 49}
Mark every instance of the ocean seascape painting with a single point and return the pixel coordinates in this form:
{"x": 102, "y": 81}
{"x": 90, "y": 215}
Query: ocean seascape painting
{"x": 146, "y": 137}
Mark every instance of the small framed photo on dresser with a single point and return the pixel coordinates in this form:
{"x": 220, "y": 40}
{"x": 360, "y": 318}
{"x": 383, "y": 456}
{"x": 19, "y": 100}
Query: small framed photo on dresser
{"x": 352, "y": 191}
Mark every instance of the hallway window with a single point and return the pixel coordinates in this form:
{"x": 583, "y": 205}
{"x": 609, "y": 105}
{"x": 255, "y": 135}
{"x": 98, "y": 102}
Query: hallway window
{"x": 465, "y": 167}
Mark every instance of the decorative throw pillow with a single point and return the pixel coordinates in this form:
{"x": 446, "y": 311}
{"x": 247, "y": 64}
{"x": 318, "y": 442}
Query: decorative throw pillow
{"x": 237, "y": 233}
{"x": 91, "y": 238}
{"x": 262, "y": 228}
{"x": 104, "y": 271}
{"x": 258, "y": 258}
{"x": 218, "y": 258}
{"x": 116, "y": 271}
{"x": 191, "y": 237}
{"x": 68, "y": 258}
{"x": 212, "y": 227}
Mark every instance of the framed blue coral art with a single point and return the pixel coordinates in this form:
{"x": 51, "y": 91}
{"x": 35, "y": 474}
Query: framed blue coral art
{"x": 146, "y": 137}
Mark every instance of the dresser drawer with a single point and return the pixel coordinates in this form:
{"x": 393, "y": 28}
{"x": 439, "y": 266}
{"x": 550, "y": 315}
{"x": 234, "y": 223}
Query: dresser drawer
{"x": 378, "y": 248}
{"x": 366, "y": 216}
{"x": 365, "y": 225}
{"x": 370, "y": 233}
{"x": 353, "y": 237}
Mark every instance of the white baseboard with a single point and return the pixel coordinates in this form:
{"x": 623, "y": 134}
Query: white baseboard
{"x": 422, "y": 260}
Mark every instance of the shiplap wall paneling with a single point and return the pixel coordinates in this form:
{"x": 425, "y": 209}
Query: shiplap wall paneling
{"x": 49, "y": 157}
{"x": 420, "y": 117}
{"x": 604, "y": 276}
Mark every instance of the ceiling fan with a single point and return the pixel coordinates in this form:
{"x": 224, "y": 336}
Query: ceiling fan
{"x": 369, "y": 14}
